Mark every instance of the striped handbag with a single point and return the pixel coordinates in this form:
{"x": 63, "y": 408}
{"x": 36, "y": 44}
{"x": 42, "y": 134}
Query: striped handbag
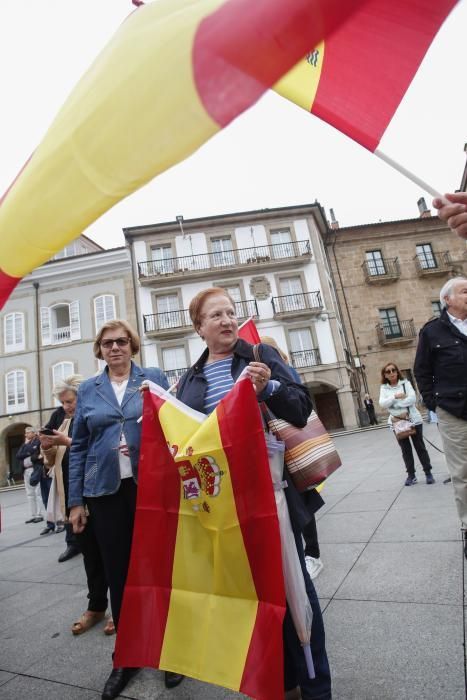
{"x": 310, "y": 454}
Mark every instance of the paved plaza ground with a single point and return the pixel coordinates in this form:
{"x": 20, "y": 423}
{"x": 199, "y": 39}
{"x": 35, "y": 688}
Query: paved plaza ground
{"x": 391, "y": 592}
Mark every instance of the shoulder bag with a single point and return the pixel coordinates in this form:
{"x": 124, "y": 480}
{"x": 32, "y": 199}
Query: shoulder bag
{"x": 402, "y": 425}
{"x": 310, "y": 454}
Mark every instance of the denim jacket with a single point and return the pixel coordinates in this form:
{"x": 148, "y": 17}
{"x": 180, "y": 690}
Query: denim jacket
{"x": 94, "y": 468}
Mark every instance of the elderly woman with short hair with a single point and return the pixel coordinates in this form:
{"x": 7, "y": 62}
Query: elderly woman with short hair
{"x": 212, "y": 312}
{"x": 104, "y": 463}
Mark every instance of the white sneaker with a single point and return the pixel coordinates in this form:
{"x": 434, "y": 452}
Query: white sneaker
{"x": 314, "y": 566}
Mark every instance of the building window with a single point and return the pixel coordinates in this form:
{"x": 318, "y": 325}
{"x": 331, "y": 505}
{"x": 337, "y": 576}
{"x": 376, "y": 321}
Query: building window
{"x": 168, "y": 310}
{"x": 60, "y": 323}
{"x": 13, "y": 328}
{"x": 302, "y": 352}
{"x": 390, "y": 323}
{"x": 104, "y": 310}
{"x": 163, "y": 261}
{"x": 234, "y": 291}
{"x": 281, "y": 240}
{"x": 15, "y": 385}
{"x": 425, "y": 256}
{"x": 61, "y": 371}
{"x": 374, "y": 262}
{"x": 293, "y": 298}
{"x": 222, "y": 252}
{"x": 436, "y": 308}
{"x": 75, "y": 248}
{"x": 174, "y": 363}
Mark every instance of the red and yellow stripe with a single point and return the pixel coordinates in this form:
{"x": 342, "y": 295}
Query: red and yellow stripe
{"x": 205, "y": 594}
{"x": 356, "y": 79}
{"x": 175, "y": 73}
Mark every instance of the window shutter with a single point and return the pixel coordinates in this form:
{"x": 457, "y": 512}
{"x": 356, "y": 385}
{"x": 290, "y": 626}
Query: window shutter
{"x": 46, "y": 326}
{"x": 104, "y": 310}
{"x": 15, "y": 384}
{"x": 75, "y": 326}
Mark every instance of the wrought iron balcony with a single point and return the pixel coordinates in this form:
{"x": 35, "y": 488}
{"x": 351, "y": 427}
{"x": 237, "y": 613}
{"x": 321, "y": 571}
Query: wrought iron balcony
{"x": 167, "y": 321}
{"x": 198, "y": 265}
{"x": 297, "y": 304}
{"x": 396, "y": 332}
{"x": 381, "y": 271}
{"x": 305, "y": 358}
{"x": 431, "y": 263}
{"x": 61, "y": 335}
{"x": 173, "y": 322}
{"x": 173, "y": 375}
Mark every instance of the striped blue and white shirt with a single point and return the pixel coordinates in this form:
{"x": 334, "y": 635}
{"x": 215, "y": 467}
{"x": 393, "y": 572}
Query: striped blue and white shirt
{"x": 219, "y": 378}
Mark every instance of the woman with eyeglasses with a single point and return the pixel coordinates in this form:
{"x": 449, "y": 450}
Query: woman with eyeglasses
{"x": 103, "y": 463}
{"x": 398, "y": 397}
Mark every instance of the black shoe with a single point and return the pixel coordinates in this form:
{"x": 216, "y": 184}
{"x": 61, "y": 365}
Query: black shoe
{"x": 430, "y": 478}
{"x": 171, "y": 680}
{"x": 117, "y": 681}
{"x": 46, "y": 531}
{"x": 31, "y": 520}
{"x": 38, "y": 519}
{"x": 70, "y": 552}
{"x": 59, "y": 528}
{"x": 411, "y": 480}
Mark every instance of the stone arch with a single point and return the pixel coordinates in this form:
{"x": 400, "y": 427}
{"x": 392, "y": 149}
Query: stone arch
{"x": 11, "y": 438}
{"x": 326, "y": 403}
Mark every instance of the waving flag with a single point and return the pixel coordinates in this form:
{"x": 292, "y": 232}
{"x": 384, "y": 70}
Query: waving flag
{"x": 355, "y": 79}
{"x": 175, "y": 73}
{"x": 205, "y": 593}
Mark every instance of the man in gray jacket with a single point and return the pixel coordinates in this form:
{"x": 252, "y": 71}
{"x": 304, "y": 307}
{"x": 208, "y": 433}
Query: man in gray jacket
{"x": 441, "y": 372}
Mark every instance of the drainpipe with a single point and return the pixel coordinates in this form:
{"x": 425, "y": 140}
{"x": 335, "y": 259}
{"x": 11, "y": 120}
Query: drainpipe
{"x": 38, "y": 349}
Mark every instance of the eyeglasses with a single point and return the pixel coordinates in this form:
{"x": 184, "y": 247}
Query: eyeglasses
{"x": 108, "y": 344}
{"x": 391, "y": 370}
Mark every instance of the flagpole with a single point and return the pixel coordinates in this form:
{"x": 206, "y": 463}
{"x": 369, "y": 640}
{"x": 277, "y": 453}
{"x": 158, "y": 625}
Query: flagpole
{"x": 408, "y": 174}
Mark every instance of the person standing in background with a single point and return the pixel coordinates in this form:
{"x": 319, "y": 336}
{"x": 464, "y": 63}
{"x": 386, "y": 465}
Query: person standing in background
{"x": 370, "y": 409}
{"x": 30, "y": 454}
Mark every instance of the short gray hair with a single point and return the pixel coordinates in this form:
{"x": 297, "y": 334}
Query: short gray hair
{"x": 447, "y": 288}
{"x": 70, "y": 383}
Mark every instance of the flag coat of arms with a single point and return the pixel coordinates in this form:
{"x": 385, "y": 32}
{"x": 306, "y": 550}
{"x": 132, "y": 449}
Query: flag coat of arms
{"x": 205, "y": 592}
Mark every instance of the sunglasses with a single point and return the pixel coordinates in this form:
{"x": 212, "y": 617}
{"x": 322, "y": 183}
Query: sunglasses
{"x": 108, "y": 344}
{"x": 390, "y": 370}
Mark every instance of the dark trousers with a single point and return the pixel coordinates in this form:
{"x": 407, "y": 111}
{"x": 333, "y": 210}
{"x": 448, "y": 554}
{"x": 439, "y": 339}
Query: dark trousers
{"x": 94, "y": 567}
{"x": 310, "y": 535}
{"x": 46, "y": 483}
{"x": 372, "y": 416}
{"x": 113, "y": 518}
{"x": 420, "y": 449}
{"x": 295, "y": 671}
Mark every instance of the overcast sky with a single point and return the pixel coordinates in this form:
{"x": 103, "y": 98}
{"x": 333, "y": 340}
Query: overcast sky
{"x": 274, "y": 155}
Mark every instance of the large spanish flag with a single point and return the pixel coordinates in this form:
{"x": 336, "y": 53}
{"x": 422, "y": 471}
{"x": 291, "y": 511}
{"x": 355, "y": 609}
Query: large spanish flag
{"x": 205, "y": 592}
{"x": 356, "y": 78}
{"x": 174, "y": 74}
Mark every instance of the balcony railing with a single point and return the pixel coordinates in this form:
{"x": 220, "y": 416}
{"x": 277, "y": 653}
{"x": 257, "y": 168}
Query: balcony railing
{"x": 224, "y": 259}
{"x": 431, "y": 263}
{"x": 381, "y": 270}
{"x": 173, "y": 375}
{"x": 294, "y": 303}
{"x": 305, "y": 358}
{"x": 179, "y": 320}
{"x": 167, "y": 320}
{"x": 61, "y": 335}
{"x": 397, "y": 331}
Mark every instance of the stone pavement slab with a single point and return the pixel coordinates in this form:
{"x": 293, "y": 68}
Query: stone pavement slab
{"x": 390, "y": 590}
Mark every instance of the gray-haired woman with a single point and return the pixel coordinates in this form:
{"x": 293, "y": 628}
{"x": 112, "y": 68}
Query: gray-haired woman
{"x": 56, "y": 449}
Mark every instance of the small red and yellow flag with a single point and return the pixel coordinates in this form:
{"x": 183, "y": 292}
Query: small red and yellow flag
{"x": 205, "y": 592}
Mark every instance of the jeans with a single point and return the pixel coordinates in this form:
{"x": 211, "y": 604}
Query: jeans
{"x": 407, "y": 453}
{"x": 295, "y": 671}
{"x": 45, "y": 485}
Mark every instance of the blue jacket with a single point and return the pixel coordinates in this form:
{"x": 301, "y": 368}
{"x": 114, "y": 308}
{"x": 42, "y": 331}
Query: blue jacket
{"x": 94, "y": 468}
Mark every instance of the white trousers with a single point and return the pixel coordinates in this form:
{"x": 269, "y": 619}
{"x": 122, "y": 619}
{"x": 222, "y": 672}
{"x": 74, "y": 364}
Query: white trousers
{"x": 453, "y": 432}
{"x": 33, "y": 494}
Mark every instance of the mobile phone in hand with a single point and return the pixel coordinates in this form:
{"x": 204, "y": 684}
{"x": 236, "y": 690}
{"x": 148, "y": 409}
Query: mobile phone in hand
{"x": 46, "y": 431}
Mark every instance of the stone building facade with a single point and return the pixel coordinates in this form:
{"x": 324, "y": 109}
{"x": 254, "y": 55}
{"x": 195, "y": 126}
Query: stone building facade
{"x": 48, "y": 327}
{"x": 273, "y": 264}
{"x": 388, "y": 277}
